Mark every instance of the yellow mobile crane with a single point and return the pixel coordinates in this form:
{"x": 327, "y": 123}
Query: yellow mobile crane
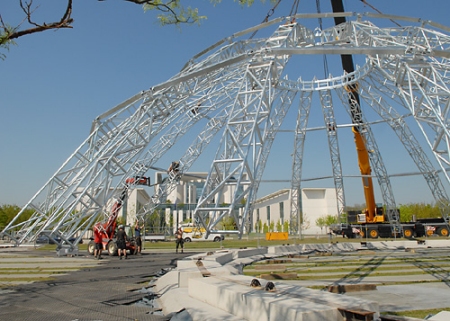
{"x": 373, "y": 219}
{"x": 372, "y": 213}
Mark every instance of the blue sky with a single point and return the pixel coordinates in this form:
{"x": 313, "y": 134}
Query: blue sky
{"x": 53, "y": 84}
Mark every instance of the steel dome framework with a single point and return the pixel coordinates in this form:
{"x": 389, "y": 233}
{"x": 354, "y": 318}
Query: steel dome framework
{"x": 237, "y": 91}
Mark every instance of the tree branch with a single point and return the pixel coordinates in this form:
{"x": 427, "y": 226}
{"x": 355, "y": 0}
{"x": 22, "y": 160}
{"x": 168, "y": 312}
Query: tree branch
{"x": 65, "y": 21}
{"x": 173, "y": 13}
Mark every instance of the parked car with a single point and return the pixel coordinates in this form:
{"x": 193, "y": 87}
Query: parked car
{"x": 215, "y": 237}
{"x": 44, "y": 239}
{"x": 154, "y": 237}
{"x": 191, "y": 233}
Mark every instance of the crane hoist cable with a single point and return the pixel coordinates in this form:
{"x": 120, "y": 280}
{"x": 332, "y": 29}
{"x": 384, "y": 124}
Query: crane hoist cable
{"x": 269, "y": 14}
{"x": 357, "y": 120}
{"x": 325, "y": 60}
{"x": 373, "y": 8}
{"x": 294, "y": 8}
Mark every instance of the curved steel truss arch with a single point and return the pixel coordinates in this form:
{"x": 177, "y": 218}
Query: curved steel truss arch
{"x": 238, "y": 88}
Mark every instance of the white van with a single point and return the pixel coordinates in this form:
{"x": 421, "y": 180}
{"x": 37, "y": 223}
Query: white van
{"x": 191, "y": 233}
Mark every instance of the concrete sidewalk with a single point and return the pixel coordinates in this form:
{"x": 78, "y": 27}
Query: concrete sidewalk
{"x": 216, "y": 290}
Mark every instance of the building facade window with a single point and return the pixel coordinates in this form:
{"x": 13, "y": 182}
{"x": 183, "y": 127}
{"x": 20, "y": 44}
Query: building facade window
{"x": 198, "y": 190}
{"x": 268, "y": 214}
{"x": 282, "y": 212}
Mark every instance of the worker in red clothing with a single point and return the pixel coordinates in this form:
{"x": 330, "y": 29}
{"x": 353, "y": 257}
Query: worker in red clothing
{"x": 98, "y": 244}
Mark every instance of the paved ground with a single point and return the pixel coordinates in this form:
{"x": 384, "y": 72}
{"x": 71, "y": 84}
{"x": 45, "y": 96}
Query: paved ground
{"x": 108, "y": 289}
{"x": 382, "y": 265}
{"x": 112, "y": 289}
{"x": 428, "y": 289}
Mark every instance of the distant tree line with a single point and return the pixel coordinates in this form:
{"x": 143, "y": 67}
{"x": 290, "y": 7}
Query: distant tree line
{"x": 8, "y": 212}
{"x": 407, "y": 213}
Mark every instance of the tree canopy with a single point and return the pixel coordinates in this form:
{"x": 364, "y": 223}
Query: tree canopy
{"x": 8, "y": 212}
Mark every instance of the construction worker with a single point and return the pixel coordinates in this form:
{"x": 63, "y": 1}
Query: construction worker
{"x": 121, "y": 242}
{"x": 98, "y": 244}
{"x": 174, "y": 168}
{"x": 137, "y": 236}
{"x": 179, "y": 239}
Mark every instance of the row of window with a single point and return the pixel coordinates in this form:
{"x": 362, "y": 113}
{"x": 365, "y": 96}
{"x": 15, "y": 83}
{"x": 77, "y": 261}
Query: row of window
{"x": 281, "y": 204}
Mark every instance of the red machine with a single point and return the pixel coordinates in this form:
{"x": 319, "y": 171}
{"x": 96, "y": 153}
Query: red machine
{"x": 108, "y": 229}
{"x": 138, "y": 180}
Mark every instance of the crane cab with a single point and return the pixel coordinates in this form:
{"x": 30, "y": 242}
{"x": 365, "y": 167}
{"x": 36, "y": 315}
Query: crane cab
{"x": 378, "y": 216}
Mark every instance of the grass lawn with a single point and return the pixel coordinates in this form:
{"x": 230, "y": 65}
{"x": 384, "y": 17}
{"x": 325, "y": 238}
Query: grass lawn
{"x": 231, "y": 242}
{"x": 419, "y": 314}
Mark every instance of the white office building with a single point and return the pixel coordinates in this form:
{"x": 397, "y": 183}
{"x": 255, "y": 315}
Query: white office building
{"x": 276, "y": 207}
{"x": 273, "y": 208}
{"x": 186, "y": 195}
{"x": 136, "y": 200}
{"x": 316, "y": 203}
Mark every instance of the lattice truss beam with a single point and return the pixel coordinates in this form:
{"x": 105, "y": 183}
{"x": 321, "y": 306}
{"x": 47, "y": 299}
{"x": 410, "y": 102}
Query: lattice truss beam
{"x": 330, "y": 121}
{"x": 237, "y": 89}
{"x": 248, "y": 135}
{"x": 297, "y": 161}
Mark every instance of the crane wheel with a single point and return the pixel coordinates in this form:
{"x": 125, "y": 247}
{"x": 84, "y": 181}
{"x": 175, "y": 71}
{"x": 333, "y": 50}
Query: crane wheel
{"x": 407, "y": 233}
{"x": 362, "y": 234}
{"x": 373, "y": 234}
{"x": 429, "y": 232}
{"x": 443, "y": 231}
